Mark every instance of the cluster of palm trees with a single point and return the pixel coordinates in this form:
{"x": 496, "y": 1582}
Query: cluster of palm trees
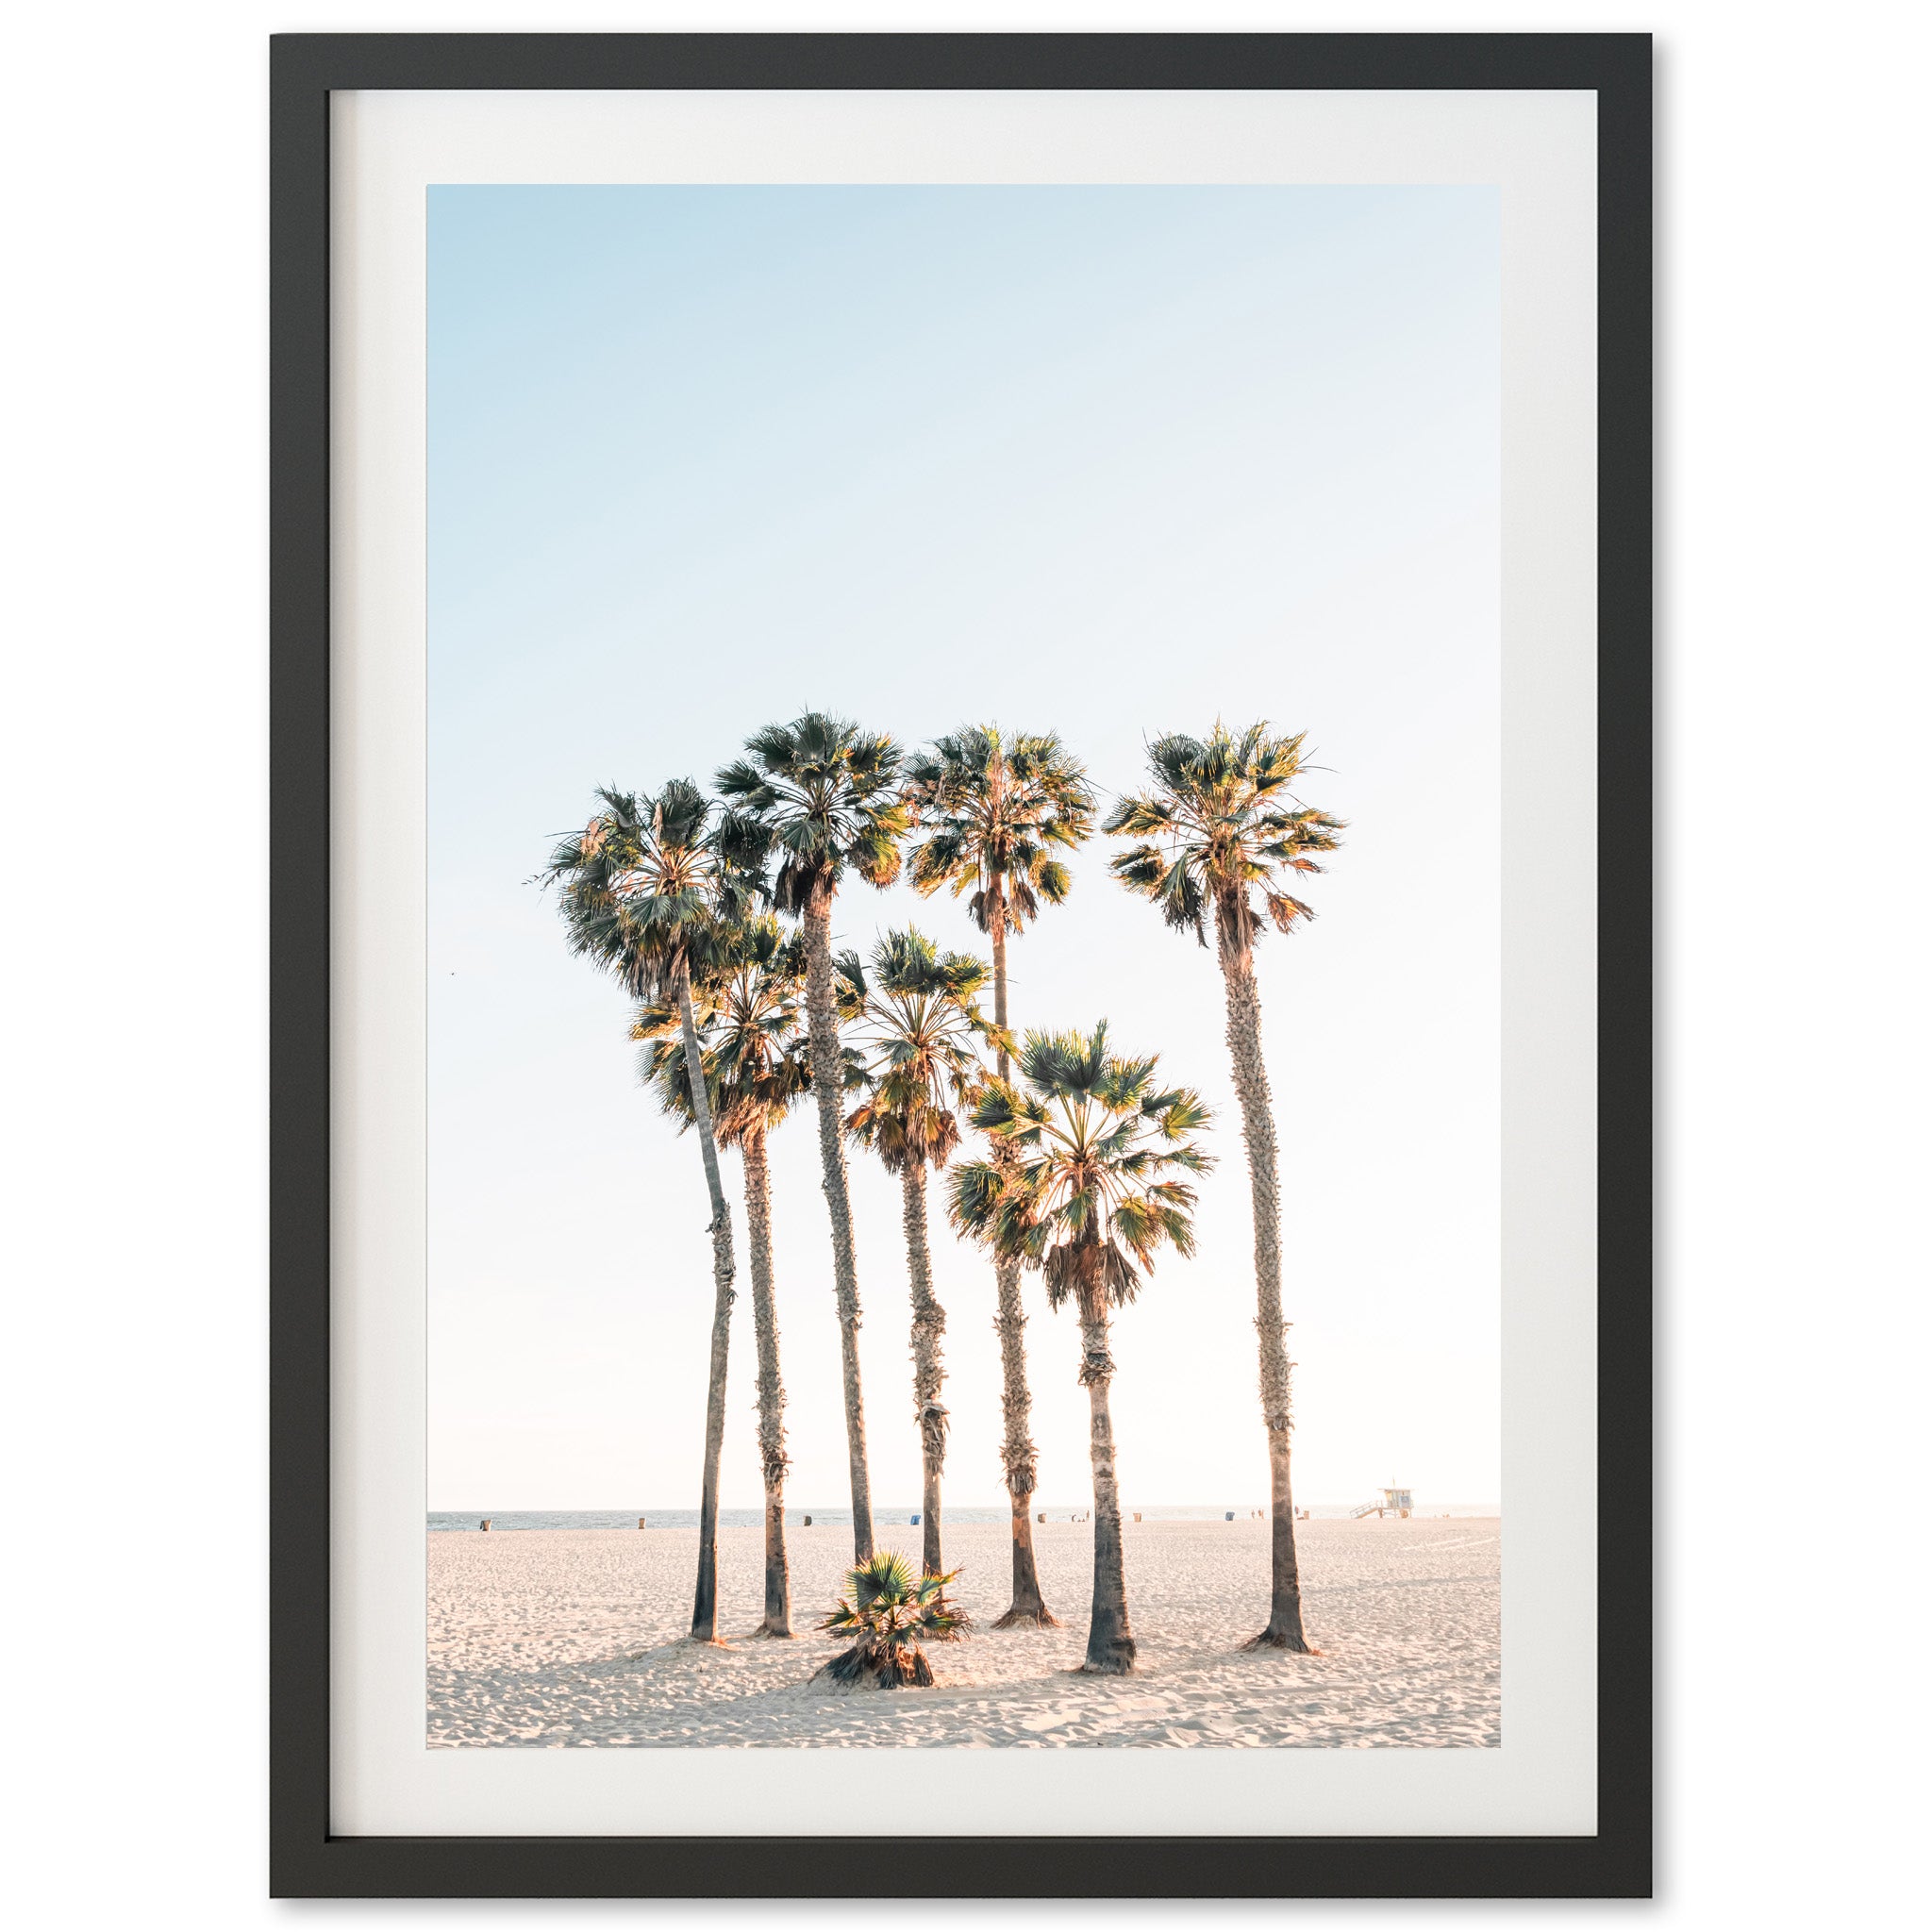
{"x": 716, "y": 916}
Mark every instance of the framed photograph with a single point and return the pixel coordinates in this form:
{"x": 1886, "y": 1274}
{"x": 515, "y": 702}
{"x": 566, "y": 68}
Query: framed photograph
{"x": 961, "y": 1092}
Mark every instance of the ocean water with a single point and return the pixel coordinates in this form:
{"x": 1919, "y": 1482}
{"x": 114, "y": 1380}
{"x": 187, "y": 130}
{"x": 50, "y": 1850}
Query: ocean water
{"x": 884, "y": 1518}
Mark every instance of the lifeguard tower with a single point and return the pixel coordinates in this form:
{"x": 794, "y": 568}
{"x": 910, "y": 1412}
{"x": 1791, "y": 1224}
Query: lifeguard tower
{"x": 1393, "y": 1503}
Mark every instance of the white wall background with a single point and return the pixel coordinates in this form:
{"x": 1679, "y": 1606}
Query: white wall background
{"x": 1793, "y": 632}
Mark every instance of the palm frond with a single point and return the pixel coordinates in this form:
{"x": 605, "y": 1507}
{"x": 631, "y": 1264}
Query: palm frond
{"x": 914, "y": 1020}
{"x": 984, "y": 805}
{"x": 1220, "y": 820}
{"x": 1082, "y": 1194}
{"x": 814, "y": 798}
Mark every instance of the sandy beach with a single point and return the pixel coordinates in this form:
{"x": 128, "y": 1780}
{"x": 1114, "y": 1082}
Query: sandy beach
{"x": 577, "y": 1637}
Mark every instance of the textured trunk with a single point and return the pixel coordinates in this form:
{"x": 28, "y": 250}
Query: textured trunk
{"x": 1109, "y": 1640}
{"x": 928, "y": 1375}
{"x": 877, "y": 1667}
{"x": 771, "y": 1456}
{"x": 704, "y": 1615}
{"x": 823, "y": 1015}
{"x": 1017, "y": 1451}
{"x": 1284, "y": 1631}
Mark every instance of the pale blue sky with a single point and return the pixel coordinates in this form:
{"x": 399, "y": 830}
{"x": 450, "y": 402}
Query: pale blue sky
{"x": 1111, "y": 460}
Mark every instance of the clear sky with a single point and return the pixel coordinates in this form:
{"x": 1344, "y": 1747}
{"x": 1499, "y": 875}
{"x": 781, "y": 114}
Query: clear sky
{"x": 1105, "y": 460}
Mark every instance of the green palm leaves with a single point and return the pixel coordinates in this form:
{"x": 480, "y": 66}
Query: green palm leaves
{"x": 1093, "y": 1192}
{"x": 991, "y": 811}
{"x": 1221, "y": 822}
{"x": 890, "y": 1615}
{"x": 646, "y": 887}
{"x": 917, "y": 1024}
{"x": 882, "y": 1595}
{"x": 817, "y": 795}
{"x": 750, "y": 1004}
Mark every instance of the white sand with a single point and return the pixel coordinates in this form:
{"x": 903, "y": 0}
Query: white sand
{"x": 573, "y": 1637}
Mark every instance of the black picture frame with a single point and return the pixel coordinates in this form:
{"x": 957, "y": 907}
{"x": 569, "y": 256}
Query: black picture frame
{"x": 307, "y": 1858}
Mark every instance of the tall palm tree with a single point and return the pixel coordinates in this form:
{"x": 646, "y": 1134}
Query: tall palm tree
{"x": 646, "y": 893}
{"x": 749, "y": 1002}
{"x": 1221, "y": 825}
{"x": 819, "y": 796}
{"x": 919, "y": 1027}
{"x": 990, "y": 812}
{"x": 1089, "y": 1199}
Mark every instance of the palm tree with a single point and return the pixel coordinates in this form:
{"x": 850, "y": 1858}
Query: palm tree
{"x": 645, "y": 893}
{"x": 1088, "y": 1199}
{"x": 919, "y": 1031}
{"x": 890, "y": 1617}
{"x": 819, "y": 796}
{"x": 991, "y": 813}
{"x": 756, "y": 1069}
{"x": 1220, "y": 823}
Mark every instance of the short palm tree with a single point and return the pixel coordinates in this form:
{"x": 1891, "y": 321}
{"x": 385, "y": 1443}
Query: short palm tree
{"x": 817, "y": 798}
{"x": 889, "y": 1616}
{"x": 917, "y": 1026}
{"x": 1220, "y": 826}
{"x": 992, "y": 812}
{"x": 1090, "y": 1197}
{"x": 645, "y": 893}
{"x": 750, "y": 1006}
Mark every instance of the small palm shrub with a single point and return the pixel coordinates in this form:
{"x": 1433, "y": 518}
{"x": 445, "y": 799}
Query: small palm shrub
{"x": 889, "y": 1615}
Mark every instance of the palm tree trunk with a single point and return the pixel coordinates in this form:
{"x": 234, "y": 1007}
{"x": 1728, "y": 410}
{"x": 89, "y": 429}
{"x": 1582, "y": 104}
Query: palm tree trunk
{"x": 757, "y": 1215}
{"x": 1284, "y": 1631}
{"x": 704, "y": 1616}
{"x": 928, "y": 1375}
{"x": 823, "y": 1027}
{"x": 1109, "y": 1640}
{"x": 1017, "y": 1452}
